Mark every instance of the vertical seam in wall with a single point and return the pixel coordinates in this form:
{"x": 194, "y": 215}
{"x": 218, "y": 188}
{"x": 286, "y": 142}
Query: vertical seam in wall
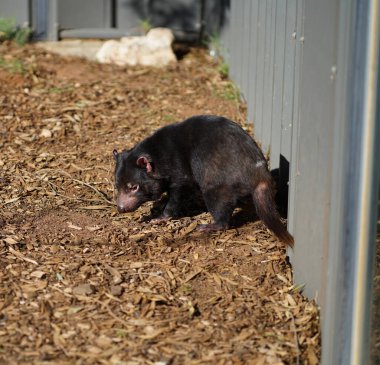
{"x": 283, "y": 74}
{"x": 257, "y": 38}
{"x": 273, "y": 75}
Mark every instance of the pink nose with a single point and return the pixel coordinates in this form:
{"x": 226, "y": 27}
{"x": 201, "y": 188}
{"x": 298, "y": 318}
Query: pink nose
{"x": 121, "y": 208}
{"x": 126, "y": 202}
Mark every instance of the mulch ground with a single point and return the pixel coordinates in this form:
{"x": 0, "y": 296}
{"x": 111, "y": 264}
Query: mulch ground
{"x": 81, "y": 284}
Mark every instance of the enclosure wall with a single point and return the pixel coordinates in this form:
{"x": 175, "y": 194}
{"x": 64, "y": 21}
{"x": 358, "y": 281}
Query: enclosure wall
{"x": 307, "y": 70}
{"x": 269, "y": 46}
{"x": 190, "y": 20}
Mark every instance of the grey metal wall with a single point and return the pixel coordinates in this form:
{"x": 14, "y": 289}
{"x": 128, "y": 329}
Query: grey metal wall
{"x": 268, "y": 52}
{"x": 308, "y": 72}
{"x": 19, "y": 10}
{"x": 85, "y": 13}
{"x": 263, "y": 47}
{"x": 55, "y": 19}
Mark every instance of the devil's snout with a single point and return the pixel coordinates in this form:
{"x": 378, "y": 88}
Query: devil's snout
{"x": 121, "y": 208}
{"x": 127, "y": 202}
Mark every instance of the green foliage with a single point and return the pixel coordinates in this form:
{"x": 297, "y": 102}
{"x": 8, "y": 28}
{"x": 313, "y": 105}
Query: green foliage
{"x": 215, "y": 47}
{"x": 10, "y": 31}
{"x": 13, "y": 65}
{"x": 60, "y": 90}
{"x": 22, "y": 36}
{"x": 168, "y": 118}
{"x": 223, "y": 69}
{"x": 7, "y": 29}
{"x": 229, "y": 92}
{"x": 298, "y": 288}
{"x": 146, "y": 25}
{"x": 121, "y": 333}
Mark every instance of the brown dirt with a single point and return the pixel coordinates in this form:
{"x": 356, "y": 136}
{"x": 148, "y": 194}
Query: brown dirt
{"x": 80, "y": 283}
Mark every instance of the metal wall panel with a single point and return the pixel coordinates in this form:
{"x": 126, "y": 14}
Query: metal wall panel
{"x": 278, "y": 82}
{"x": 288, "y": 93}
{"x": 268, "y": 76}
{"x": 84, "y": 14}
{"x": 276, "y": 42}
{"x": 258, "y": 114}
{"x": 245, "y": 40}
{"x": 273, "y": 74}
{"x": 52, "y": 19}
{"x": 293, "y": 169}
{"x": 251, "y": 72}
{"x": 239, "y": 42}
{"x": 224, "y": 33}
{"x": 130, "y": 13}
{"x": 234, "y": 41}
{"x": 15, "y": 9}
{"x": 267, "y": 73}
{"x": 314, "y": 170}
{"x": 310, "y": 102}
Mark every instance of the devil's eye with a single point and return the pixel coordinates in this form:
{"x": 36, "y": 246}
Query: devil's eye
{"x": 133, "y": 187}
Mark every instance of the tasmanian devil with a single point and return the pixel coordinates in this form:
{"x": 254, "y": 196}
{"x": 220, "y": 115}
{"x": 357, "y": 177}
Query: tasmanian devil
{"x": 207, "y": 153}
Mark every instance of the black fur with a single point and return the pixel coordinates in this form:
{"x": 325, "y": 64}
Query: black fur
{"x": 207, "y": 153}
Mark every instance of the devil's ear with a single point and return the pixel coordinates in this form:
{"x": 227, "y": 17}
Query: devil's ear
{"x": 143, "y": 162}
{"x": 115, "y": 154}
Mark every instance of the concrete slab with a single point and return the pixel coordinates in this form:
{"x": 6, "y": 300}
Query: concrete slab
{"x": 73, "y": 47}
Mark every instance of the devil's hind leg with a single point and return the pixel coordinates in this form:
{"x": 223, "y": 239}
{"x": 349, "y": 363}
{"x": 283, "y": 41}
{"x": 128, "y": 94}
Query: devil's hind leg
{"x": 220, "y": 202}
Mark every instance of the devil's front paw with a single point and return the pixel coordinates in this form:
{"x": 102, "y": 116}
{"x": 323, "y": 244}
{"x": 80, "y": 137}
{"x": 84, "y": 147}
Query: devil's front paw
{"x": 160, "y": 220}
{"x": 212, "y": 227}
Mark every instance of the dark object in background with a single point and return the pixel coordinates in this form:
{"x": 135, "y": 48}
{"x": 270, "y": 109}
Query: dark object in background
{"x": 207, "y": 153}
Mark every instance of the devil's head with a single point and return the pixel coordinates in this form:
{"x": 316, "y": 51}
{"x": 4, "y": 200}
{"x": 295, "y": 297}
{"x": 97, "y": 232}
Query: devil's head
{"x": 136, "y": 181}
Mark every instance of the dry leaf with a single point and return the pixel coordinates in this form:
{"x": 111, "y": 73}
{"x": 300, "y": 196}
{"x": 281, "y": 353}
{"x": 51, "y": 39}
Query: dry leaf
{"x": 83, "y": 289}
{"x": 70, "y": 225}
{"x": 116, "y": 276}
{"x": 38, "y": 274}
{"x": 136, "y": 265}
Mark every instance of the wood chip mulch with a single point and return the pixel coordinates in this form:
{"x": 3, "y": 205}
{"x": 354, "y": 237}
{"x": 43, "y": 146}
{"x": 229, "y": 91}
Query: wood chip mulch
{"x": 81, "y": 284}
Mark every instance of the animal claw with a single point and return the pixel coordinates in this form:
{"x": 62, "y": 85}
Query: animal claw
{"x": 212, "y": 227}
{"x": 160, "y": 220}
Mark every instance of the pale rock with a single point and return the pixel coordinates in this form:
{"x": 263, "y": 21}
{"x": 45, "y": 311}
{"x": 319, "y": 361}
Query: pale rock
{"x": 46, "y": 133}
{"x": 154, "y": 49}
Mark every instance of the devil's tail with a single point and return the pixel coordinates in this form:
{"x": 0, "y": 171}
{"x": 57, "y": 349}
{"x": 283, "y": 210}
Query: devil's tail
{"x": 267, "y": 211}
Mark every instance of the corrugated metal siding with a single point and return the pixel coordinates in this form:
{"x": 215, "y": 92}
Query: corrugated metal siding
{"x": 18, "y": 10}
{"x": 289, "y": 85}
{"x": 264, "y": 47}
{"x": 85, "y": 14}
{"x": 266, "y": 51}
{"x": 313, "y": 178}
{"x": 263, "y": 53}
{"x": 54, "y": 19}
{"x": 303, "y": 85}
